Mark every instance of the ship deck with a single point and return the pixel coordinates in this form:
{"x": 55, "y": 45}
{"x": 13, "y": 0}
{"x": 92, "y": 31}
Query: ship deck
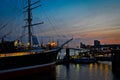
{"x": 30, "y": 52}
{"x": 15, "y": 54}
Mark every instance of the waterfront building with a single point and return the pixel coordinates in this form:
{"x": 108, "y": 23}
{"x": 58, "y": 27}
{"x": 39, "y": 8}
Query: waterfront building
{"x": 96, "y": 43}
{"x": 82, "y": 45}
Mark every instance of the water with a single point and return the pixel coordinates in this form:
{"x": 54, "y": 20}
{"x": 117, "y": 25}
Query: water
{"x": 93, "y": 71}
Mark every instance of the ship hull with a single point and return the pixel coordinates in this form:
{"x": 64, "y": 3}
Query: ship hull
{"x": 28, "y": 71}
{"x": 28, "y": 64}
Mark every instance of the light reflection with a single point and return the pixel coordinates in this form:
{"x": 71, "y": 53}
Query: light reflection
{"x": 101, "y": 68}
{"x": 106, "y": 72}
{"x": 78, "y": 67}
{"x": 96, "y": 67}
{"x": 92, "y": 71}
{"x": 58, "y": 69}
{"x": 91, "y": 68}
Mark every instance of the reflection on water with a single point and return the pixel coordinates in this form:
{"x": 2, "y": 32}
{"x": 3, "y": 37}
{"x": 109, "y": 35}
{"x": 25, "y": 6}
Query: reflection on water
{"x": 93, "y": 71}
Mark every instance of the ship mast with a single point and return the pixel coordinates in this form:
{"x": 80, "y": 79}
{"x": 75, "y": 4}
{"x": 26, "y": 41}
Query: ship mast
{"x": 29, "y": 25}
{"x": 29, "y": 20}
{"x": 29, "y": 9}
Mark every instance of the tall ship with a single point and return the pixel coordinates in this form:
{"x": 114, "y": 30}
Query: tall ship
{"x": 17, "y": 61}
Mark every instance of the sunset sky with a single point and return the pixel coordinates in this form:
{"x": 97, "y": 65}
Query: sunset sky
{"x": 84, "y": 20}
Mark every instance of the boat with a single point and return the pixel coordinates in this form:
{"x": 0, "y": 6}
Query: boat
{"x": 104, "y": 57}
{"x": 83, "y": 60}
{"x": 27, "y": 60}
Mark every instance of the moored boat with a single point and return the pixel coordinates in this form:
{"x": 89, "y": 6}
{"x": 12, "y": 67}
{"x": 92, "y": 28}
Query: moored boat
{"x": 83, "y": 60}
{"x": 21, "y": 63}
{"x": 27, "y": 60}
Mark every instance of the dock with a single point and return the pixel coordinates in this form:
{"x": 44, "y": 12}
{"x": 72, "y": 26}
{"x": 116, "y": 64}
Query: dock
{"x": 116, "y": 61}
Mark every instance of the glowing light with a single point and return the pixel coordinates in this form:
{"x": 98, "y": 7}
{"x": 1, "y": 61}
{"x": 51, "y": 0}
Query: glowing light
{"x": 52, "y": 44}
{"x": 17, "y": 43}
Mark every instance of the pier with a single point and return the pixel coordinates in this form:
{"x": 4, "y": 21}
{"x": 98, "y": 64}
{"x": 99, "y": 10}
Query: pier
{"x": 116, "y": 61}
{"x": 83, "y": 56}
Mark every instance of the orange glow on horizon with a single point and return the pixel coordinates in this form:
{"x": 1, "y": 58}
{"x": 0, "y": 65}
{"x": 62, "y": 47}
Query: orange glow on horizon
{"x": 105, "y": 37}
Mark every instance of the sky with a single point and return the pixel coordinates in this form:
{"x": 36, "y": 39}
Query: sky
{"x": 84, "y": 20}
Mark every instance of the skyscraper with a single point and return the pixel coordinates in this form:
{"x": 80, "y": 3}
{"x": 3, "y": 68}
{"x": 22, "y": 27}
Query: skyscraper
{"x": 96, "y": 43}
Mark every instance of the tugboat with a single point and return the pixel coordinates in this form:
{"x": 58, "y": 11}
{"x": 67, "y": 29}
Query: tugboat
{"x": 30, "y": 60}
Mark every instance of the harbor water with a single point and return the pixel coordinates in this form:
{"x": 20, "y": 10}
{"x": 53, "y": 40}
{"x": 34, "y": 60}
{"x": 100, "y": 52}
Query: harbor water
{"x": 92, "y": 71}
